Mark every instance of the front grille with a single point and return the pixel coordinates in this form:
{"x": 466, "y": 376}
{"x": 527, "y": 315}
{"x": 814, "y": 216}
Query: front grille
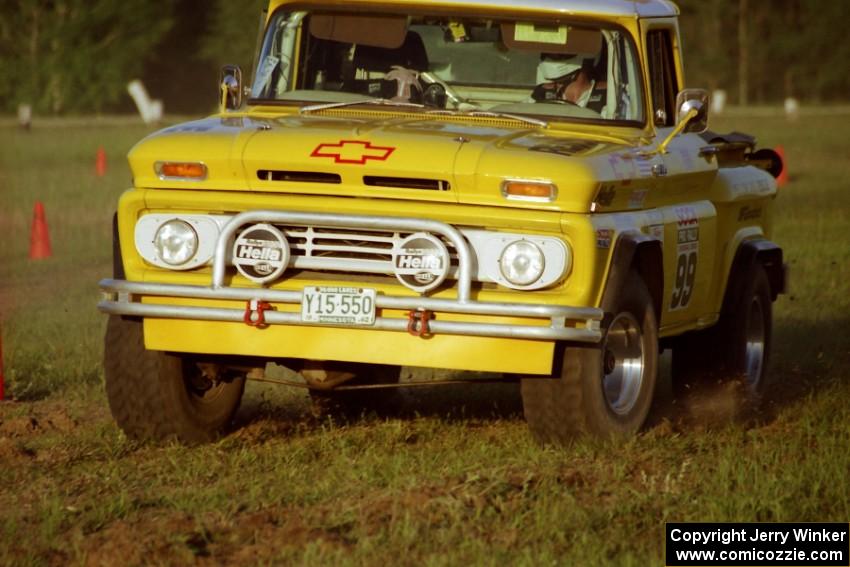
{"x": 406, "y": 183}
{"x": 368, "y": 180}
{"x": 347, "y": 250}
{"x": 333, "y": 243}
{"x": 298, "y": 176}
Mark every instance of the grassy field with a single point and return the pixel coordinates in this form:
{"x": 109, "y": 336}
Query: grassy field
{"x": 456, "y": 479}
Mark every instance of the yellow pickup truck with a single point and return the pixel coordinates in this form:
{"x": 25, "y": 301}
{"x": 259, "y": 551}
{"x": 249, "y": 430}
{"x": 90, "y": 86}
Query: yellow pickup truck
{"x": 522, "y": 187}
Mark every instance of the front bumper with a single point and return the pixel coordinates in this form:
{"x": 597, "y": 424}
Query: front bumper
{"x": 544, "y": 322}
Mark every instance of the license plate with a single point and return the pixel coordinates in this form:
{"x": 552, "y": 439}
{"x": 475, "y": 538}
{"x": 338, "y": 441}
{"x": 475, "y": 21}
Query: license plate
{"x": 338, "y": 305}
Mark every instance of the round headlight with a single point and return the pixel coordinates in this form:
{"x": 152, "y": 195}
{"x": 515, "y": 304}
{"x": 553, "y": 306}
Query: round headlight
{"x": 522, "y": 263}
{"x": 175, "y": 242}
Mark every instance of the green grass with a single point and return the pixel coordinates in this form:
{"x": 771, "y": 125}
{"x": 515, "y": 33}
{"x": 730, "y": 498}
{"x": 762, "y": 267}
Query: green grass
{"x": 458, "y": 482}
{"x": 51, "y": 330}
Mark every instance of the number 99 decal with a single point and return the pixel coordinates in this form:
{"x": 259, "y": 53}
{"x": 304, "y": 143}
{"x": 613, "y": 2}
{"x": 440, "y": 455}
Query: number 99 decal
{"x": 683, "y": 287}
{"x": 686, "y": 268}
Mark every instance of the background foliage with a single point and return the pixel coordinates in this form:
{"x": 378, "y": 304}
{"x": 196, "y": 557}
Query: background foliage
{"x": 75, "y": 55}
{"x": 233, "y": 31}
{"x": 762, "y": 52}
{"x": 78, "y": 55}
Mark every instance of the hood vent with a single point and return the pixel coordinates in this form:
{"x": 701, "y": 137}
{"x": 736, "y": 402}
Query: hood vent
{"x": 406, "y": 183}
{"x": 298, "y": 176}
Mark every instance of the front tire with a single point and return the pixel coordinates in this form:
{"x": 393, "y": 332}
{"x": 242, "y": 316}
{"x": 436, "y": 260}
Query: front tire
{"x": 159, "y": 396}
{"x": 603, "y": 390}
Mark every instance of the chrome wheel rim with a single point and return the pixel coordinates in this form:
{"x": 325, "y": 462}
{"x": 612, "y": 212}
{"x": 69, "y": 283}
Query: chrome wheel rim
{"x": 754, "y": 355}
{"x": 623, "y": 364}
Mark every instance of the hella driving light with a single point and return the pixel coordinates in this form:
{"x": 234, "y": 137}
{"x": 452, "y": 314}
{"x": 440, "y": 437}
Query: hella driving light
{"x": 175, "y": 242}
{"x": 522, "y": 263}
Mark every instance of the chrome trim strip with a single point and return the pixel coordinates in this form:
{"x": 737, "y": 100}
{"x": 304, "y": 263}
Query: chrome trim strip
{"x": 465, "y": 260}
{"x": 557, "y": 315}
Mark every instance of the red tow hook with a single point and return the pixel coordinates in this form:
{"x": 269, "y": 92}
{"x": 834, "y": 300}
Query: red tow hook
{"x": 418, "y": 323}
{"x": 259, "y": 307}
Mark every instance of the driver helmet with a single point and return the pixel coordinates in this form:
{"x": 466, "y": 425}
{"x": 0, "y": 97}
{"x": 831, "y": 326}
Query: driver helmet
{"x": 557, "y": 67}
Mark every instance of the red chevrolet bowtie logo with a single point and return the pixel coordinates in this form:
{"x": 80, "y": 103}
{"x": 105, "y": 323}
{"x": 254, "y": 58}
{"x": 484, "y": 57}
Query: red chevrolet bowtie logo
{"x": 352, "y": 151}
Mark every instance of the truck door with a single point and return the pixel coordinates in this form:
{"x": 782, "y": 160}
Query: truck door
{"x": 690, "y": 220}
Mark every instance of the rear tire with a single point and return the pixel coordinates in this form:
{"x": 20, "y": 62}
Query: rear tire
{"x": 158, "y": 396}
{"x": 736, "y": 349}
{"x": 603, "y": 390}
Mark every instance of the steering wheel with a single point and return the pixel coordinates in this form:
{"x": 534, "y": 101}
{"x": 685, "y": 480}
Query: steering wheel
{"x": 455, "y": 99}
{"x": 557, "y": 101}
{"x": 540, "y": 92}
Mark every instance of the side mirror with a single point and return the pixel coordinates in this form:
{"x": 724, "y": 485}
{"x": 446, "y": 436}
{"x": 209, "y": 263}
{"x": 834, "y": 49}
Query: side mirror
{"x": 691, "y": 116}
{"x": 230, "y": 86}
{"x": 688, "y": 101}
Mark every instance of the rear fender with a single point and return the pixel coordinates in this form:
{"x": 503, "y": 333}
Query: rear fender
{"x": 751, "y": 252}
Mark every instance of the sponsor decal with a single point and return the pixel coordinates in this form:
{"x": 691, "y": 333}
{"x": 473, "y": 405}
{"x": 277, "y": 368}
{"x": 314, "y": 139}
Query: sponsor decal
{"x": 191, "y": 127}
{"x": 354, "y": 152}
{"x": 656, "y": 231}
{"x": 637, "y": 198}
{"x": 688, "y": 237}
{"x": 687, "y": 252}
{"x": 623, "y": 168}
{"x": 753, "y": 187}
{"x": 604, "y": 237}
{"x": 421, "y": 262}
{"x": 564, "y": 148}
{"x": 686, "y": 216}
{"x": 749, "y": 213}
{"x": 686, "y": 155}
{"x": 261, "y": 253}
{"x": 644, "y": 166}
{"x": 606, "y": 196}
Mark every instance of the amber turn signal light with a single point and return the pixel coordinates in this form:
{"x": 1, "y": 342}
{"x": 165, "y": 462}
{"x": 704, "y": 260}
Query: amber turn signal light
{"x": 181, "y": 170}
{"x": 540, "y": 191}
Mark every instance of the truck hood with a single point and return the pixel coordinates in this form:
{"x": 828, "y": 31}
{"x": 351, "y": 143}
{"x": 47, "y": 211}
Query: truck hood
{"x": 384, "y": 155}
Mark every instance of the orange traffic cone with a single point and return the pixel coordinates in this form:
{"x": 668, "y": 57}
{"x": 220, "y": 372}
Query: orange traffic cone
{"x": 100, "y": 162}
{"x": 782, "y": 180}
{"x": 39, "y": 237}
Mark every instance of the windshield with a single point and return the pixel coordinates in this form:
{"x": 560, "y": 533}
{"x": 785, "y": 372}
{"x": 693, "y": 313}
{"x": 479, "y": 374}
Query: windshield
{"x": 556, "y": 70}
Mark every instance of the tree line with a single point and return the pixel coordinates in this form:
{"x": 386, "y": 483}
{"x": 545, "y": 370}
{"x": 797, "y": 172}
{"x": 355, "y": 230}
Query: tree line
{"x": 763, "y": 52}
{"x": 76, "y": 56}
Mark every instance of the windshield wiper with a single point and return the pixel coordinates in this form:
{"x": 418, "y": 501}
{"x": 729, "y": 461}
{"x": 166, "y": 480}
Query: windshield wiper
{"x": 389, "y": 102}
{"x": 377, "y": 101}
{"x": 491, "y": 114}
